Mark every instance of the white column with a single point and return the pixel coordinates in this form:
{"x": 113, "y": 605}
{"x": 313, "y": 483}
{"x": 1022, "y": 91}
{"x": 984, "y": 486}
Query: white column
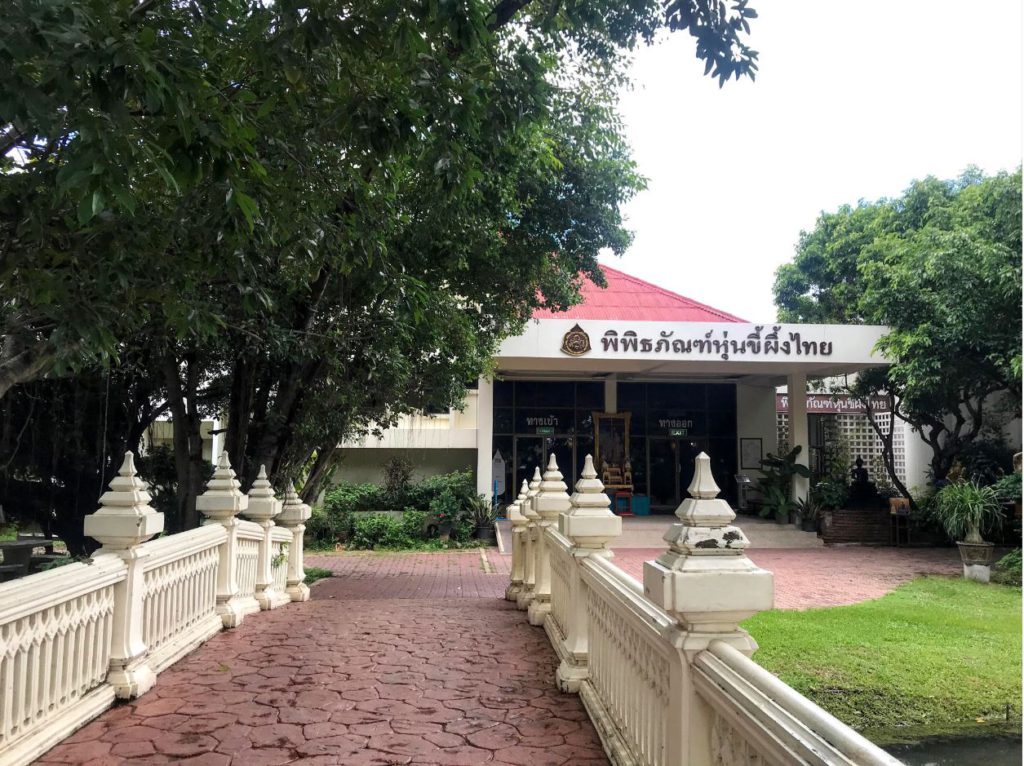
{"x": 294, "y": 515}
{"x": 611, "y": 394}
{"x": 221, "y": 503}
{"x": 263, "y": 507}
{"x": 708, "y": 585}
{"x": 123, "y": 522}
{"x": 484, "y": 436}
{"x": 796, "y": 387}
{"x": 525, "y": 595}
{"x": 591, "y": 526}
{"x": 519, "y": 522}
{"x": 552, "y": 500}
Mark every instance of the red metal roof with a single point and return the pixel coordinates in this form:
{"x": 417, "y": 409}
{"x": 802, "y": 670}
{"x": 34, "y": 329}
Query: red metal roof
{"x": 629, "y": 298}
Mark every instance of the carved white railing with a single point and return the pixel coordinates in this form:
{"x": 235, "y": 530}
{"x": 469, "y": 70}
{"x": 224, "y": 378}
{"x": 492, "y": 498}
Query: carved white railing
{"x": 280, "y": 539}
{"x": 561, "y": 569}
{"x": 180, "y": 597}
{"x": 75, "y": 638}
{"x": 250, "y": 534}
{"x": 631, "y": 665}
{"x": 662, "y": 666}
{"x": 757, "y": 716}
{"x": 55, "y": 632}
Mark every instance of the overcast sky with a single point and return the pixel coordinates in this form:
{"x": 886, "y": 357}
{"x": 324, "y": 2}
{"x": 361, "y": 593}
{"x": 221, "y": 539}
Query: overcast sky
{"x": 853, "y": 101}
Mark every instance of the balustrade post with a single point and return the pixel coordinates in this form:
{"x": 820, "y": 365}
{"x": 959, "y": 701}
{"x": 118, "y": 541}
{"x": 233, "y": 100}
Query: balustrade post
{"x": 591, "y": 526}
{"x": 123, "y": 522}
{"x": 263, "y": 507}
{"x": 551, "y": 500}
{"x": 294, "y": 515}
{"x": 529, "y": 544}
{"x": 518, "y": 521}
{"x": 221, "y": 503}
{"x": 708, "y": 585}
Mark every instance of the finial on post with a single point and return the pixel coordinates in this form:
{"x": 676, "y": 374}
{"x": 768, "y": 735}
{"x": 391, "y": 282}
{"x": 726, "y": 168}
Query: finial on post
{"x": 590, "y": 523}
{"x": 222, "y": 498}
{"x": 125, "y": 517}
{"x": 263, "y": 504}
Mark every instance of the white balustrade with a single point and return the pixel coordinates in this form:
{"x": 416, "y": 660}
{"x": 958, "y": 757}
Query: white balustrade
{"x": 662, "y": 667}
{"x": 75, "y": 638}
{"x": 180, "y": 595}
{"x": 263, "y": 507}
{"x": 250, "y": 540}
{"x": 55, "y": 639}
{"x": 280, "y": 541}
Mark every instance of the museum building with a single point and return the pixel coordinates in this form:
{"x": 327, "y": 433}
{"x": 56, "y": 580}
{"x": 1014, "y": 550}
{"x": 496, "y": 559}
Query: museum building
{"x": 640, "y": 377}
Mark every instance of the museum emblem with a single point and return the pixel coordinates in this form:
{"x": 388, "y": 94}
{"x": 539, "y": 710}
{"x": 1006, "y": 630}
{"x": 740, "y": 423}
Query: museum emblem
{"x": 576, "y": 342}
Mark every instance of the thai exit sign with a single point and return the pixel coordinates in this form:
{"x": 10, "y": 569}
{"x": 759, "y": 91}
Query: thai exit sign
{"x": 678, "y": 432}
{"x": 546, "y": 430}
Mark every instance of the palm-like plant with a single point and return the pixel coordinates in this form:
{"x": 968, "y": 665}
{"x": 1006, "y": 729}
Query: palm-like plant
{"x": 967, "y": 510}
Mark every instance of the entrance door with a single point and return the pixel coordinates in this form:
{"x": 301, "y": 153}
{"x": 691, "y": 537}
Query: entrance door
{"x": 532, "y": 451}
{"x": 670, "y": 472}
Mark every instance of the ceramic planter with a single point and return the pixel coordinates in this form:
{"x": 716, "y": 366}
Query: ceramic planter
{"x": 977, "y": 560}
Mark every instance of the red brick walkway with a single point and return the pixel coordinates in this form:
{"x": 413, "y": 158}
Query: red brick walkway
{"x": 816, "y": 577}
{"x": 402, "y": 659}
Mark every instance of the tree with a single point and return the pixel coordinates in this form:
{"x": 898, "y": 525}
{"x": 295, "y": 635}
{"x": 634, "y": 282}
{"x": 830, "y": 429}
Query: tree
{"x": 940, "y": 266}
{"x": 311, "y": 216}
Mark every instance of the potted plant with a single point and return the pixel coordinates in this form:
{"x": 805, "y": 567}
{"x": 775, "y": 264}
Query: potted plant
{"x": 483, "y": 516}
{"x": 809, "y": 511}
{"x": 966, "y": 510}
{"x": 776, "y": 486}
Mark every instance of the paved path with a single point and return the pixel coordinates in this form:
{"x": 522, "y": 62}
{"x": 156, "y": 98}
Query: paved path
{"x": 830, "y": 576}
{"x": 402, "y": 659}
{"x": 412, "y": 659}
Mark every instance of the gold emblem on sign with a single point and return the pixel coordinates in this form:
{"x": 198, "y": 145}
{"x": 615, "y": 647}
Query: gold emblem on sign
{"x": 576, "y": 342}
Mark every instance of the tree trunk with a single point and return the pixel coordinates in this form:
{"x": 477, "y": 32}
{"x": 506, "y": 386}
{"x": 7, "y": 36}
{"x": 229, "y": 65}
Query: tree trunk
{"x": 325, "y": 461}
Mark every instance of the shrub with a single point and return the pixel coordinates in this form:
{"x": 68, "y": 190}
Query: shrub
{"x": 397, "y": 473}
{"x": 379, "y": 530}
{"x": 831, "y": 494}
{"x": 1007, "y": 569}
{"x": 1009, "y": 488}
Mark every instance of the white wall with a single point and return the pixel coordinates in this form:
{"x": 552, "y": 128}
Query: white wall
{"x": 755, "y": 418}
{"x": 367, "y": 464}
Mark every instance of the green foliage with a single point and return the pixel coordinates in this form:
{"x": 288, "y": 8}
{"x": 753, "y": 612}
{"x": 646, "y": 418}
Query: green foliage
{"x": 446, "y": 502}
{"x": 930, "y": 658}
{"x": 1008, "y": 488}
{"x": 397, "y": 473}
{"x": 940, "y": 266}
{"x": 776, "y": 486}
{"x": 986, "y": 460}
{"x": 966, "y": 509}
{"x": 8, "y": 531}
{"x": 317, "y": 573}
{"x": 832, "y": 495}
{"x": 1007, "y": 571}
{"x": 378, "y": 530}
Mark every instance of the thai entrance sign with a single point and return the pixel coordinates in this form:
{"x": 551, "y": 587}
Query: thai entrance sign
{"x": 833, "y": 404}
{"x": 762, "y": 341}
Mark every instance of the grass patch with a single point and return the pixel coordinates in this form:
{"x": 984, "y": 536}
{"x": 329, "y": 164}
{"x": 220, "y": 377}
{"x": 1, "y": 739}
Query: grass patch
{"x": 937, "y": 657}
{"x": 317, "y": 573}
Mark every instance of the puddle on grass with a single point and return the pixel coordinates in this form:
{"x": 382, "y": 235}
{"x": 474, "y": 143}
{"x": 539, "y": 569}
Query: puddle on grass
{"x": 1001, "y": 751}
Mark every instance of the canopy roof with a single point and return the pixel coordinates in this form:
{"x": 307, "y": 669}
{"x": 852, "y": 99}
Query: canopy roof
{"x": 629, "y": 298}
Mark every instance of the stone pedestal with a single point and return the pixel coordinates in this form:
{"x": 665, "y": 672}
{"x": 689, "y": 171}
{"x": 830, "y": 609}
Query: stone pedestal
{"x": 551, "y": 500}
{"x": 263, "y": 507}
{"x": 294, "y": 515}
{"x": 221, "y": 504}
{"x": 123, "y": 522}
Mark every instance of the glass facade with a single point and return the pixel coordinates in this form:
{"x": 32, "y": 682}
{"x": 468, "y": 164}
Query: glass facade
{"x": 670, "y": 423}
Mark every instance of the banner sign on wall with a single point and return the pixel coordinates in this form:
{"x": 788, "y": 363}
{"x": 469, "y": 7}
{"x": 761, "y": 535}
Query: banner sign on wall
{"x": 833, "y": 404}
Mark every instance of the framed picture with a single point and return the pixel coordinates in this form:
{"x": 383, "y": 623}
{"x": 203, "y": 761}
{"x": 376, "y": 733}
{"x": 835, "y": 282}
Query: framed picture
{"x": 750, "y": 453}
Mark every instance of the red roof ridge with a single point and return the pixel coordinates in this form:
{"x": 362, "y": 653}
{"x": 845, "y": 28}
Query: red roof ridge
{"x": 668, "y": 293}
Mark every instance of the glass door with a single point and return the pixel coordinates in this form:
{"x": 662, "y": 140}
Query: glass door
{"x": 671, "y": 469}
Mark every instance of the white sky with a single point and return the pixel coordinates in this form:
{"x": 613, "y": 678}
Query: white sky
{"x": 853, "y": 100}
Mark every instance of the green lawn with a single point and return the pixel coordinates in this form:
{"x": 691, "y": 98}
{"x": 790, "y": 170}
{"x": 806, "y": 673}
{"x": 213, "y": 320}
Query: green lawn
{"x": 938, "y": 656}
